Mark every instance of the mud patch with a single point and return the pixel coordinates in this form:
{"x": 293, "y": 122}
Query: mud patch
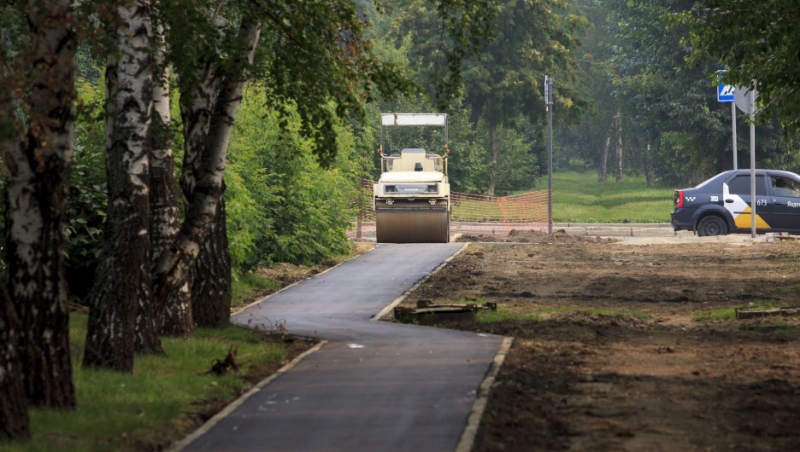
{"x": 613, "y": 357}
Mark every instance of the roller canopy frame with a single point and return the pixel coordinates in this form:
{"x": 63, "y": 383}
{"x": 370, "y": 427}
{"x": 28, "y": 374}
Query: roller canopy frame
{"x": 413, "y": 119}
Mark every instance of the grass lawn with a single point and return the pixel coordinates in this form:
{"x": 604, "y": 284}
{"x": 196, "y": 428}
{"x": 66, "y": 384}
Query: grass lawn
{"x": 579, "y": 198}
{"x": 165, "y": 398}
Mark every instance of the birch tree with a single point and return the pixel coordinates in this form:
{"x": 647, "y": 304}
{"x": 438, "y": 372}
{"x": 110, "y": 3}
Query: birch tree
{"x": 123, "y": 284}
{"x": 37, "y": 128}
{"x": 175, "y": 317}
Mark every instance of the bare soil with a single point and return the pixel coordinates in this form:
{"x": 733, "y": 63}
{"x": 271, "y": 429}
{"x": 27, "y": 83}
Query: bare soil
{"x": 616, "y": 361}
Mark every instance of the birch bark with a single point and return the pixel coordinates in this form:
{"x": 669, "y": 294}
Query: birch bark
{"x": 175, "y": 317}
{"x": 602, "y": 171}
{"x": 38, "y": 157}
{"x": 208, "y": 114}
{"x": 123, "y": 282}
{"x": 14, "y": 421}
{"x": 211, "y": 276}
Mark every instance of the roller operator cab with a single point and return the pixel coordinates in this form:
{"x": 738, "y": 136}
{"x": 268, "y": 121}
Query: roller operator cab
{"x": 721, "y": 205}
{"x": 412, "y": 197}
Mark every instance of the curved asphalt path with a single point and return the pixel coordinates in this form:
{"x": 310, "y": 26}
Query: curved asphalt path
{"x": 374, "y": 385}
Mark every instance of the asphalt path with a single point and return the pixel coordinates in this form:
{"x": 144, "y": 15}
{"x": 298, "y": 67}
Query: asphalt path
{"x": 375, "y": 385}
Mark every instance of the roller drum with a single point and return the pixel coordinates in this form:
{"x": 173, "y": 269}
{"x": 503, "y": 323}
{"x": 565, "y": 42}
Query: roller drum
{"x": 412, "y": 226}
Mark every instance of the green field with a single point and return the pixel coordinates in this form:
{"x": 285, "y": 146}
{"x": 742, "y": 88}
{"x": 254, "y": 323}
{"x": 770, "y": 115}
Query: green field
{"x": 579, "y": 198}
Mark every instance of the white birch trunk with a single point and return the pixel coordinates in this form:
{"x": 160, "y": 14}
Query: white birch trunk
{"x": 175, "y": 317}
{"x": 602, "y": 171}
{"x": 38, "y": 161}
{"x": 123, "y": 283}
{"x": 206, "y": 168}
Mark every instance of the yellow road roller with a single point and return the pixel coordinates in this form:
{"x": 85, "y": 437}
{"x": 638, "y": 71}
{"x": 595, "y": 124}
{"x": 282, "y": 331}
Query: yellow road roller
{"x": 411, "y": 199}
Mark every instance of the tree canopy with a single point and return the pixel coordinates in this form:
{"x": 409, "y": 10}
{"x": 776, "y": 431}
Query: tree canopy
{"x": 757, "y": 43}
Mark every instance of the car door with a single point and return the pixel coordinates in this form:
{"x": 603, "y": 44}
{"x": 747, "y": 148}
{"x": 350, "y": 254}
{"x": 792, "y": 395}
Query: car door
{"x": 784, "y": 206}
{"x": 736, "y": 194}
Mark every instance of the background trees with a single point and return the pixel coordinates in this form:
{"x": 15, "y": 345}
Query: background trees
{"x": 757, "y": 42}
{"x": 672, "y": 126}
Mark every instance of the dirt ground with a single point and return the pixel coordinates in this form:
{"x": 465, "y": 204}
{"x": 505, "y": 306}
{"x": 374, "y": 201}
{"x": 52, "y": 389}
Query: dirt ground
{"x": 616, "y": 361}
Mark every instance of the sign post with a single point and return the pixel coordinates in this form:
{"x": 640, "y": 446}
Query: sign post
{"x": 726, "y": 93}
{"x": 548, "y": 105}
{"x": 745, "y": 99}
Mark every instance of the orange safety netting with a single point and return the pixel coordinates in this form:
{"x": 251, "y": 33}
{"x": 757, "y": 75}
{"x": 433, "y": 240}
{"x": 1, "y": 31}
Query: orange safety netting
{"x": 472, "y": 213}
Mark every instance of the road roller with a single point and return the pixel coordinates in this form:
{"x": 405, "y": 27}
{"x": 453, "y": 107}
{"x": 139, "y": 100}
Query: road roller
{"x": 411, "y": 199}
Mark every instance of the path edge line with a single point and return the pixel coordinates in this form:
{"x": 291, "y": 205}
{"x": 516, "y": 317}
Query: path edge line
{"x": 474, "y": 420}
{"x": 385, "y": 311}
{"x": 209, "y": 424}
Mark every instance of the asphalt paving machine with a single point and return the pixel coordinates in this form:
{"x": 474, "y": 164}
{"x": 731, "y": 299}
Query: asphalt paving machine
{"x": 411, "y": 199}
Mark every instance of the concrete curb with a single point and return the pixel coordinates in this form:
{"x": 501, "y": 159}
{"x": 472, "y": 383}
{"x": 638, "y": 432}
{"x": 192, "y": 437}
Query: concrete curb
{"x": 388, "y": 309}
{"x": 474, "y": 420}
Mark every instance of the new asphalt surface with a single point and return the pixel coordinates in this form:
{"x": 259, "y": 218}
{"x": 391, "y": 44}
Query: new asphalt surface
{"x": 375, "y": 385}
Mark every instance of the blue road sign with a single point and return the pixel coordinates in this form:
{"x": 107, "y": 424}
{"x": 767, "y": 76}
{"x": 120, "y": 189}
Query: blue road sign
{"x": 725, "y": 93}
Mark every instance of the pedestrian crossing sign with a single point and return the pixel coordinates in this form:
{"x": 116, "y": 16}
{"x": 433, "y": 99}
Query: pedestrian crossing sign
{"x": 725, "y": 93}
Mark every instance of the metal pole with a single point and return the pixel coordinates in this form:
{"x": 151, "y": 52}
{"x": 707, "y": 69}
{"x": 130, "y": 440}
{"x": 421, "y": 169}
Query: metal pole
{"x": 733, "y": 122}
{"x": 549, "y": 106}
{"x": 753, "y": 163}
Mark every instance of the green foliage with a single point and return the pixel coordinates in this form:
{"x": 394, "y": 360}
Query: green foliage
{"x": 86, "y": 206}
{"x": 755, "y": 41}
{"x": 502, "y": 86}
{"x": 672, "y": 125}
{"x": 532, "y": 39}
{"x": 282, "y": 205}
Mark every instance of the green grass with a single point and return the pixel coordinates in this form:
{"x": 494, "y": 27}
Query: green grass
{"x": 579, "y": 198}
{"x": 714, "y": 314}
{"x": 244, "y": 285}
{"x": 138, "y": 411}
{"x": 501, "y": 315}
{"x": 730, "y": 313}
{"x": 535, "y": 313}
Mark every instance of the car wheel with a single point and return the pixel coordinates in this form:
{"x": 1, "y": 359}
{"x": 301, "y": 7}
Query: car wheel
{"x": 712, "y": 225}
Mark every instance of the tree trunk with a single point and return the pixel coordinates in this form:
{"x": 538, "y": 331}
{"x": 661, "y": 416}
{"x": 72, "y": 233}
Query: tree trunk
{"x": 123, "y": 282}
{"x": 618, "y": 151}
{"x": 494, "y": 148}
{"x": 38, "y": 161}
{"x": 204, "y": 161}
{"x": 14, "y": 422}
{"x": 649, "y": 174}
{"x": 602, "y": 171}
{"x": 211, "y": 276}
{"x": 175, "y": 317}
{"x": 474, "y": 117}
